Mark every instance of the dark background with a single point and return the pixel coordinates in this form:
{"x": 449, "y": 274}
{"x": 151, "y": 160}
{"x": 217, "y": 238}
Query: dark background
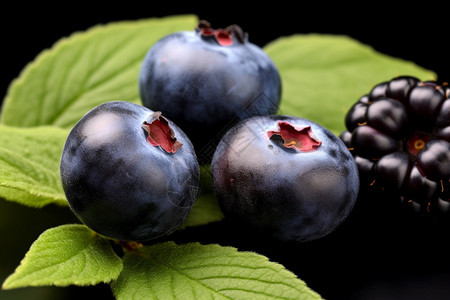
{"x": 379, "y": 252}
{"x": 419, "y": 33}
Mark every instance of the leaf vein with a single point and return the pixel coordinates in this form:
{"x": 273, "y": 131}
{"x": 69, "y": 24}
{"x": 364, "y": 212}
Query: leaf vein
{"x": 45, "y": 79}
{"x": 225, "y": 265}
{"x": 249, "y": 279}
{"x": 193, "y": 279}
{"x": 53, "y": 265}
{"x": 204, "y": 257}
{"x": 32, "y": 176}
{"x": 68, "y": 70}
{"x": 83, "y": 90}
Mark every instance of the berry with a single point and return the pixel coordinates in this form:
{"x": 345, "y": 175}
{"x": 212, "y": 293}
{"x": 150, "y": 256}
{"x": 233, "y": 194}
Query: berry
{"x": 399, "y": 134}
{"x": 206, "y": 80}
{"x": 284, "y": 176}
{"x": 128, "y": 172}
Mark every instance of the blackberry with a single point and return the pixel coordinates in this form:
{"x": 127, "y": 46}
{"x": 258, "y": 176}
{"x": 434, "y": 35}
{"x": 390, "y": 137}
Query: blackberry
{"x": 399, "y": 135}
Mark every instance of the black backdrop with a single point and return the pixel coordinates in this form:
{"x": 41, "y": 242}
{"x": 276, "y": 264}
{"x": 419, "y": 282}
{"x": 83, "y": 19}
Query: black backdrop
{"x": 419, "y": 33}
{"x": 379, "y": 253}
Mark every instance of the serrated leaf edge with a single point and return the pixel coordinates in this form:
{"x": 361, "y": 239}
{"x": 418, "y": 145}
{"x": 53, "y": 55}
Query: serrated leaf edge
{"x": 44, "y": 198}
{"x": 8, "y": 285}
{"x": 274, "y": 266}
{"x": 76, "y": 37}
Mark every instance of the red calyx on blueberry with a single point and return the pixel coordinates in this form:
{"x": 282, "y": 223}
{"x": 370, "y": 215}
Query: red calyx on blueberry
{"x": 128, "y": 173}
{"x": 300, "y": 139}
{"x": 159, "y": 133}
{"x": 224, "y": 37}
{"x": 206, "y": 80}
{"x": 399, "y": 134}
{"x": 285, "y": 177}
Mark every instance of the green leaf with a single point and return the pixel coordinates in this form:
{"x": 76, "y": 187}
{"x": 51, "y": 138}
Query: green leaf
{"x": 195, "y": 271}
{"x": 206, "y": 209}
{"x": 84, "y": 70}
{"x": 323, "y": 75}
{"x": 66, "y": 255}
{"x": 29, "y": 165}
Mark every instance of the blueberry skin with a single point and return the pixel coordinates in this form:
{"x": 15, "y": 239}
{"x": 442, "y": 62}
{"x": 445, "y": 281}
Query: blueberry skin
{"x": 290, "y": 195}
{"x": 206, "y": 87}
{"x": 120, "y": 185}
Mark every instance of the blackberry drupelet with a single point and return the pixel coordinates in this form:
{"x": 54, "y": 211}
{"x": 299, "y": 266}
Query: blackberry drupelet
{"x": 399, "y": 134}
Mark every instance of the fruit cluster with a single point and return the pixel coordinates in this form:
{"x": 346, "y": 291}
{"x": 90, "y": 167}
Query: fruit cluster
{"x": 210, "y": 97}
{"x": 399, "y": 134}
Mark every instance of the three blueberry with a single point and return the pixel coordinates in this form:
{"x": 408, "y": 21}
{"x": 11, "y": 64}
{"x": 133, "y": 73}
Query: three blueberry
{"x": 129, "y": 173}
{"x": 208, "y": 79}
{"x": 132, "y": 172}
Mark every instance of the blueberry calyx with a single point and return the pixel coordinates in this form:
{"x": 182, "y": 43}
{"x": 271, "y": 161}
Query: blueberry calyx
{"x": 159, "y": 133}
{"x": 300, "y": 139}
{"x": 223, "y": 37}
{"x": 129, "y": 245}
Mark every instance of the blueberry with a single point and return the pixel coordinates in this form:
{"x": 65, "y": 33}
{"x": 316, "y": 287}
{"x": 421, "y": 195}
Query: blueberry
{"x": 284, "y": 176}
{"x": 128, "y": 172}
{"x": 207, "y": 79}
{"x": 399, "y": 134}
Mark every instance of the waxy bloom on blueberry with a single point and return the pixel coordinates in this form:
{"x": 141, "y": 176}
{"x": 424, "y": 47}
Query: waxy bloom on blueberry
{"x": 128, "y": 172}
{"x": 207, "y": 79}
{"x": 286, "y": 177}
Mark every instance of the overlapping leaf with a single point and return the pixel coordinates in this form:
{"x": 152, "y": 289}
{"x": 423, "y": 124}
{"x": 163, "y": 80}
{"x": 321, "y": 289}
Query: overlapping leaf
{"x": 29, "y": 165}
{"x": 84, "y": 70}
{"x": 323, "y": 75}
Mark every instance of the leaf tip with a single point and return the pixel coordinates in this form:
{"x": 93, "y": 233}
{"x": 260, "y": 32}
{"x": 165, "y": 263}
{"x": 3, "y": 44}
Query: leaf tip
{"x": 6, "y": 285}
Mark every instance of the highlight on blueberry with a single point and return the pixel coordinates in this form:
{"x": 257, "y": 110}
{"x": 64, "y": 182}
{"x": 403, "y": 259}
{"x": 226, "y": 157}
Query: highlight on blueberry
{"x": 286, "y": 177}
{"x": 129, "y": 173}
{"x": 207, "y": 79}
{"x": 399, "y": 134}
